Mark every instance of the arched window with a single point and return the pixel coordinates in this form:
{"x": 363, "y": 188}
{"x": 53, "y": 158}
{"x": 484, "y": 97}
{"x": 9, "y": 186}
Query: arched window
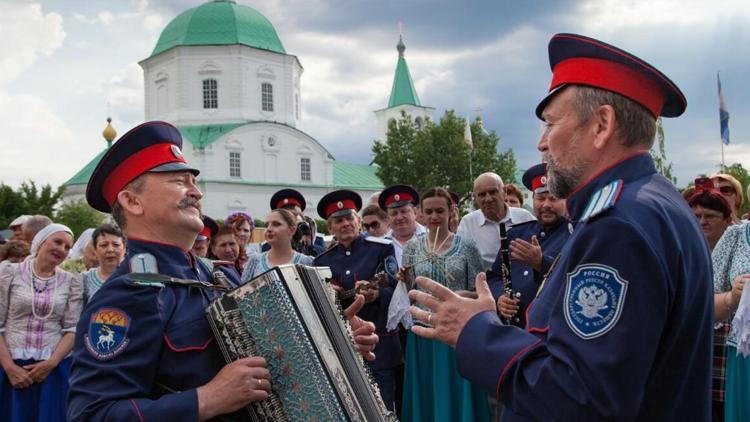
{"x": 266, "y": 96}
{"x": 210, "y": 93}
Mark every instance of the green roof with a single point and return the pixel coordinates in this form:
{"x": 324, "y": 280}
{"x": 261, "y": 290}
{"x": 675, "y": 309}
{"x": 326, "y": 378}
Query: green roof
{"x": 220, "y": 22}
{"x": 402, "y": 91}
{"x": 355, "y": 176}
{"x": 203, "y": 135}
{"x": 83, "y": 176}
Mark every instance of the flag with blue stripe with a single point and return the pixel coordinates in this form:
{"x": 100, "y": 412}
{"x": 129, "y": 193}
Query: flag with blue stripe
{"x": 723, "y": 114}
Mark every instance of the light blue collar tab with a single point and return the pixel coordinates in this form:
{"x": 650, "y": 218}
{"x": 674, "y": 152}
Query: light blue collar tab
{"x": 603, "y": 199}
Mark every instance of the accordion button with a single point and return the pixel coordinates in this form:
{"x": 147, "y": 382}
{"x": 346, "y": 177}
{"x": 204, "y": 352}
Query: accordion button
{"x": 348, "y": 253}
{"x": 526, "y": 272}
{"x": 348, "y": 272}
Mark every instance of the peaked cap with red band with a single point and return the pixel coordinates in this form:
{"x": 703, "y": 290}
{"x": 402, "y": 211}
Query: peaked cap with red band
{"x": 287, "y": 197}
{"x": 579, "y": 60}
{"x": 210, "y": 228}
{"x": 338, "y": 203}
{"x": 535, "y": 178}
{"x": 397, "y": 196}
{"x": 150, "y": 147}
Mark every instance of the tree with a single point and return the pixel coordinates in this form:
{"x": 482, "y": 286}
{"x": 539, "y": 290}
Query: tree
{"x": 742, "y": 175}
{"x": 28, "y": 199}
{"x": 79, "y": 216}
{"x": 660, "y": 155}
{"x": 437, "y": 154}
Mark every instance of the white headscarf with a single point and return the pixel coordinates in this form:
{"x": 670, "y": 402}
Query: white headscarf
{"x": 77, "y": 251}
{"x": 45, "y": 233}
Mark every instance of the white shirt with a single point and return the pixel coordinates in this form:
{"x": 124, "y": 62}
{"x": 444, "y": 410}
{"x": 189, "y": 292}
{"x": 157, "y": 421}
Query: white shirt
{"x": 486, "y": 233}
{"x": 399, "y": 247}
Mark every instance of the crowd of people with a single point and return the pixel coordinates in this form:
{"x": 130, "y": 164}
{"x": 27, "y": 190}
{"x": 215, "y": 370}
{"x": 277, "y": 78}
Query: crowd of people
{"x": 601, "y": 303}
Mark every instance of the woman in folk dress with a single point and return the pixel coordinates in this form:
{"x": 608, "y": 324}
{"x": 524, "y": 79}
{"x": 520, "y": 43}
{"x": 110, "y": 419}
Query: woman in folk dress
{"x": 433, "y": 388}
{"x": 39, "y": 307}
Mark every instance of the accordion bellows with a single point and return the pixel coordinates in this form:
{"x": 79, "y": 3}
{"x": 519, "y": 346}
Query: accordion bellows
{"x": 289, "y": 317}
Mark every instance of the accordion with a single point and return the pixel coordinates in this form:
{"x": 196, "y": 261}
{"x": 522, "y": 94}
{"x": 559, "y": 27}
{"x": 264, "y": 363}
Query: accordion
{"x": 289, "y": 316}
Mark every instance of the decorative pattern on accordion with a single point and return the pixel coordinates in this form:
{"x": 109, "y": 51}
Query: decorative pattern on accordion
{"x": 289, "y": 317}
{"x": 298, "y": 377}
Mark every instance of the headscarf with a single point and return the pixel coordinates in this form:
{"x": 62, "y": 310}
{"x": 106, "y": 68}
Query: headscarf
{"x": 77, "y": 251}
{"x": 45, "y": 233}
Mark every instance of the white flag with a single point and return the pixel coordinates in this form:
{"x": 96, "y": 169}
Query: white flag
{"x": 467, "y": 135}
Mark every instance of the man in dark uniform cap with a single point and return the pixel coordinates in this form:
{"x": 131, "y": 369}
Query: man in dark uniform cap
{"x": 143, "y": 348}
{"x": 622, "y": 328}
{"x": 533, "y": 245}
{"x": 401, "y": 202}
{"x": 210, "y": 228}
{"x": 355, "y": 259}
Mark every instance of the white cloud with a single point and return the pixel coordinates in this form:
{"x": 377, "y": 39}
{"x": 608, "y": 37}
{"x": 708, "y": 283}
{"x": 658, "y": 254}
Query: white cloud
{"x": 26, "y": 33}
{"x": 34, "y": 133}
{"x": 105, "y": 17}
{"x": 613, "y": 15}
{"x": 125, "y": 92}
{"x": 153, "y": 22}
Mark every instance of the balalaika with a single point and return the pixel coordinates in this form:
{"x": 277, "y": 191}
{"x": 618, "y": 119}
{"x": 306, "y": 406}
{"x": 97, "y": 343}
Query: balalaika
{"x": 507, "y": 282}
{"x": 289, "y": 317}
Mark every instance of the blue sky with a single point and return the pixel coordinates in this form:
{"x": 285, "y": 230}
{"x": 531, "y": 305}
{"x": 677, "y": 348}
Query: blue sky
{"x": 66, "y": 64}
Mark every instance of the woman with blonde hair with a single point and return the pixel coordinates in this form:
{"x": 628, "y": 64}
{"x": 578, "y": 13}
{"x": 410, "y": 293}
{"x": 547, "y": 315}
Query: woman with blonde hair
{"x": 281, "y": 225}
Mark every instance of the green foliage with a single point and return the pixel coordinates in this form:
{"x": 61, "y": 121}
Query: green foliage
{"x": 321, "y": 226}
{"x": 79, "y": 216}
{"x": 659, "y": 154}
{"x": 28, "y": 199}
{"x": 742, "y": 175}
{"x": 437, "y": 154}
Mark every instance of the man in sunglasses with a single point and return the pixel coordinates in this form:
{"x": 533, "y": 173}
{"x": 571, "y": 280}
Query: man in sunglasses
{"x": 374, "y": 221}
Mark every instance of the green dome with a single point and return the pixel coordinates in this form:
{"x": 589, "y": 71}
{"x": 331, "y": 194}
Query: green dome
{"x": 220, "y": 22}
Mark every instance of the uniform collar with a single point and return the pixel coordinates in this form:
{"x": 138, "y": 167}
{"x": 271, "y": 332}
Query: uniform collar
{"x": 630, "y": 168}
{"x": 562, "y": 221}
{"x": 360, "y": 238}
{"x": 167, "y": 255}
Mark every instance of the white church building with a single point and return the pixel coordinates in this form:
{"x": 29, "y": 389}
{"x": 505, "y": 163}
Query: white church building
{"x": 220, "y": 73}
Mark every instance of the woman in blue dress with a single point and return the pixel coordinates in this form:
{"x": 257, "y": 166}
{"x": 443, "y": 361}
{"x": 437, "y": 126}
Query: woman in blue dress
{"x": 433, "y": 388}
{"x": 281, "y": 224}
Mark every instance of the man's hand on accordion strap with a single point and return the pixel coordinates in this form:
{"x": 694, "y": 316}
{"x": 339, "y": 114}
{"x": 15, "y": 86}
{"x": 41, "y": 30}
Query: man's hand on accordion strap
{"x": 241, "y": 382}
{"x": 363, "y": 331}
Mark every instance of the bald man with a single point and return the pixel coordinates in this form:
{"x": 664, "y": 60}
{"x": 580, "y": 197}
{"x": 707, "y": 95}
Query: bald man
{"x": 483, "y": 225}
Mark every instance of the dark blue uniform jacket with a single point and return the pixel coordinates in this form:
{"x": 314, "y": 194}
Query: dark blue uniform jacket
{"x": 622, "y": 329}
{"x": 367, "y": 257}
{"x": 160, "y": 338}
{"x": 523, "y": 277}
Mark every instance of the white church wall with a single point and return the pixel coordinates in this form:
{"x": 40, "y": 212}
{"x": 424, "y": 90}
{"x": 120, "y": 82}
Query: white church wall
{"x": 174, "y": 85}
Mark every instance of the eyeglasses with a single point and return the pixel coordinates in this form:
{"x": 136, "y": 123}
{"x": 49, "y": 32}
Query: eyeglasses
{"x": 727, "y": 190}
{"x": 374, "y": 225}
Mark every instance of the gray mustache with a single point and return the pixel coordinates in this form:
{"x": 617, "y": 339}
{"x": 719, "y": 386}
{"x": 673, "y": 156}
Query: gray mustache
{"x": 188, "y": 202}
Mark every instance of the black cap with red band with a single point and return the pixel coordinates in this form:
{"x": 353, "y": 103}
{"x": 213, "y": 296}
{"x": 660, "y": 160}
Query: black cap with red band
{"x": 535, "y": 178}
{"x": 150, "y": 147}
{"x": 579, "y": 60}
{"x": 210, "y": 228}
{"x": 287, "y": 198}
{"x": 397, "y": 196}
{"x": 338, "y": 203}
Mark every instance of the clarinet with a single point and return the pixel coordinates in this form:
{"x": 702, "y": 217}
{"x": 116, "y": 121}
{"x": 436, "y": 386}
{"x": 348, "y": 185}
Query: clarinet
{"x": 507, "y": 282}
